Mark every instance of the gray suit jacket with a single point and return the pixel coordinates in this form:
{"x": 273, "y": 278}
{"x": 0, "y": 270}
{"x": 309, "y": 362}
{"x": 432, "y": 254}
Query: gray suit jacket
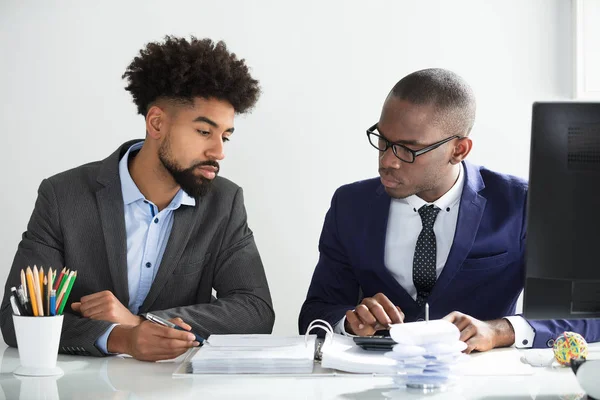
{"x": 78, "y": 222}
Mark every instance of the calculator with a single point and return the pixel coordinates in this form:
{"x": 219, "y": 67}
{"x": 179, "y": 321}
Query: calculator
{"x": 380, "y": 341}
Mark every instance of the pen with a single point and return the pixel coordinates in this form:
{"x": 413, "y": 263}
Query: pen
{"x": 24, "y": 283}
{"x": 13, "y": 304}
{"x": 161, "y": 321}
{"x": 24, "y": 302}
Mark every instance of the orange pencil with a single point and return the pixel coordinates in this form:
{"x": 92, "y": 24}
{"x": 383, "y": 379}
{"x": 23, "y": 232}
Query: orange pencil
{"x": 37, "y": 291}
{"x": 41, "y": 273}
{"x": 32, "y": 297}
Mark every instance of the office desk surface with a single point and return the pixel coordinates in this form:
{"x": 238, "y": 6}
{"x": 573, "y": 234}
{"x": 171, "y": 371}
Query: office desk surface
{"x": 126, "y": 378}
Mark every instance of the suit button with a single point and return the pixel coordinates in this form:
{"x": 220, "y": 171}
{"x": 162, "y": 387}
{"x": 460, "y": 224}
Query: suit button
{"x": 550, "y": 342}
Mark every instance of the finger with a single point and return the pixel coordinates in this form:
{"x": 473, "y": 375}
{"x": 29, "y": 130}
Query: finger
{"x": 390, "y": 309}
{"x": 471, "y": 345}
{"x": 468, "y": 333}
{"x": 355, "y": 323}
{"x": 357, "y": 326}
{"x": 97, "y": 295}
{"x": 94, "y": 312}
{"x": 175, "y": 345}
{"x": 97, "y": 302}
{"x": 364, "y": 314}
{"x": 179, "y": 321}
{"x": 453, "y": 316}
{"x": 170, "y": 333}
{"x": 76, "y": 306}
{"x": 377, "y": 310}
{"x": 402, "y": 316}
{"x": 461, "y": 321}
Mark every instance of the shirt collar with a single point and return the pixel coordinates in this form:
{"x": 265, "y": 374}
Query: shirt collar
{"x": 131, "y": 193}
{"x": 449, "y": 199}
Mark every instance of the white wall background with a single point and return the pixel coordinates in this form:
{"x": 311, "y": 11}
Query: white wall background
{"x": 325, "y": 69}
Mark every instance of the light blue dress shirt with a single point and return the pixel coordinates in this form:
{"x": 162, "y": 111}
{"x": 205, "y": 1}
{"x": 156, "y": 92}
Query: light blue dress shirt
{"x": 148, "y": 231}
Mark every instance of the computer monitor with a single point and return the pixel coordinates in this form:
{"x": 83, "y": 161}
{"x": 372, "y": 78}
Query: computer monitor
{"x": 563, "y": 212}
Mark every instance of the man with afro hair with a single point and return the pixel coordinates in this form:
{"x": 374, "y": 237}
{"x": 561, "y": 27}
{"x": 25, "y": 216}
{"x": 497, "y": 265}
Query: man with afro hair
{"x": 153, "y": 228}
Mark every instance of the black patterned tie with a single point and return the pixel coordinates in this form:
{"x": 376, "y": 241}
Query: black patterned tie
{"x": 424, "y": 260}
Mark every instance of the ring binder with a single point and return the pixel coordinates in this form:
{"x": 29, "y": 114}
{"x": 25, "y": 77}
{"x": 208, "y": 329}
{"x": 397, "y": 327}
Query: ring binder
{"x": 326, "y": 326}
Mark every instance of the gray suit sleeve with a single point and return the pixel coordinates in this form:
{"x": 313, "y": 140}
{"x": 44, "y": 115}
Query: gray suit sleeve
{"x": 243, "y": 302}
{"x": 42, "y": 245}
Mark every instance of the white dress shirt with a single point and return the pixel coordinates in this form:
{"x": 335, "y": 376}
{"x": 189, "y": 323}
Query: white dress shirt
{"x": 148, "y": 231}
{"x": 403, "y": 229}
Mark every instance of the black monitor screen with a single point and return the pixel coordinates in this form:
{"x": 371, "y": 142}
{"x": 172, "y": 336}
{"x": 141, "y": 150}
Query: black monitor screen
{"x": 563, "y": 212}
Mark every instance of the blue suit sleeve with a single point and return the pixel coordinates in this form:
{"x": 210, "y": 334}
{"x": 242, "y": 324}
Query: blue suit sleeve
{"x": 548, "y": 330}
{"x": 334, "y": 288}
{"x": 102, "y": 341}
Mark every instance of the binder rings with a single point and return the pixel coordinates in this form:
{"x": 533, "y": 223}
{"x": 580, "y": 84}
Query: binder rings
{"x": 285, "y": 356}
{"x": 336, "y": 355}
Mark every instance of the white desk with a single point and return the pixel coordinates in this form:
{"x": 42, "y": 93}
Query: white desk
{"x": 125, "y": 378}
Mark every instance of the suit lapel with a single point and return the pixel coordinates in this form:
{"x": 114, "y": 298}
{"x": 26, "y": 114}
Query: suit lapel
{"x": 112, "y": 218}
{"x": 183, "y": 222}
{"x": 470, "y": 212}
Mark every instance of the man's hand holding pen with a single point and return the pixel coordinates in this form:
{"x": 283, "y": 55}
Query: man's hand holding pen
{"x": 143, "y": 340}
{"x": 151, "y": 342}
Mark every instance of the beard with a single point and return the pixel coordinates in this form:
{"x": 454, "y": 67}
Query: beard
{"x": 194, "y": 185}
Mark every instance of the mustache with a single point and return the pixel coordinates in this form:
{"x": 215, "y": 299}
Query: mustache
{"x": 209, "y": 163}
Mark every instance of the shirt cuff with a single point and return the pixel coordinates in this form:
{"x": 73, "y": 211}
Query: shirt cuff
{"x": 341, "y": 329}
{"x": 524, "y": 333}
{"x": 102, "y": 341}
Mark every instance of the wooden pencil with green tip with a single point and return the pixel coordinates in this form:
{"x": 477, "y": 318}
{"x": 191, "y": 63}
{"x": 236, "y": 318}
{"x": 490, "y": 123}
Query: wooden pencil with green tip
{"x": 66, "y": 296}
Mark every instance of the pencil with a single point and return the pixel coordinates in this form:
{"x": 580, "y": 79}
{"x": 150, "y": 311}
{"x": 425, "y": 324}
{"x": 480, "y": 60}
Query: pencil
{"x": 41, "y": 273}
{"x": 37, "y": 291}
{"x": 50, "y": 284}
{"x": 63, "y": 303}
{"x": 63, "y": 281}
{"x": 32, "y": 298}
{"x": 57, "y": 281}
{"x": 64, "y": 287}
{"x": 24, "y": 283}
{"x": 50, "y": 277}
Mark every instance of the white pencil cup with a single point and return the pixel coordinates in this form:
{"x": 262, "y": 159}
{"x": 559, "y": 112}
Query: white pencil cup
{"x": 37, "y": 340}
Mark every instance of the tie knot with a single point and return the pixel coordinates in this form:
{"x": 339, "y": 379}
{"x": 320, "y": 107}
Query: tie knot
{"x": 428, "y": 215}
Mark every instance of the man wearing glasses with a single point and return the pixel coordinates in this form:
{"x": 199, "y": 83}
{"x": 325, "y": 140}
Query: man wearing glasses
{"x": 432, "y": 229}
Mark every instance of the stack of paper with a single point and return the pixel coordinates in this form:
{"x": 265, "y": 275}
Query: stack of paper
{"x": 427, "y": 352}
{"x": 255, "y": 354}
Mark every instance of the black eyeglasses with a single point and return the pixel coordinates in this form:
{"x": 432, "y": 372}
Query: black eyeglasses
{"x": 402, "y": 152}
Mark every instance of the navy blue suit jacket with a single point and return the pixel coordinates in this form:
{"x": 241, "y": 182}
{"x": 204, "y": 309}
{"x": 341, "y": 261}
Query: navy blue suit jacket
{"x": 482, "y": 277}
